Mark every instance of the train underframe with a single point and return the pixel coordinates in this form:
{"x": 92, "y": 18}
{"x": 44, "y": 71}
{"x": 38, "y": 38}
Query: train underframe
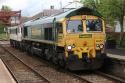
{"x": 57, "y": 55}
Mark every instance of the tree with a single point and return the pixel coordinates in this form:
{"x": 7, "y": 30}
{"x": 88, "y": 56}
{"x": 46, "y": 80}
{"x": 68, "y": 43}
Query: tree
{"x": 2, "y": 26}
{"x": 5, "y": 8}
{"x": 110, "y": 9}
{"x": 91, "y": 3}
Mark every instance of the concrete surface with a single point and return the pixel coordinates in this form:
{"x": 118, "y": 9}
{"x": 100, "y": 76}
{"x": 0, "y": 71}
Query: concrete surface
{"x": 5, "y": 76}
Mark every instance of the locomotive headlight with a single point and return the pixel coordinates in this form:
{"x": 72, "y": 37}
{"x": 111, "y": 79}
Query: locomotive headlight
{"x": 69, "y": 47}
{"x": 73, "y": 46}
{"x": 101, "y": 46}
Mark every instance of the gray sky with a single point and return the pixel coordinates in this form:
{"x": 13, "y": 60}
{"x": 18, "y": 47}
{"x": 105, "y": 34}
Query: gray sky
{"x": 32, "y": 7}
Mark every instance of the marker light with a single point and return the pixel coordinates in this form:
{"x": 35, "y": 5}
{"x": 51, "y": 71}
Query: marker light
{"x": 73, "y": 46}
{"x": 97, "y": 45}
{"x": 101, "y": 46}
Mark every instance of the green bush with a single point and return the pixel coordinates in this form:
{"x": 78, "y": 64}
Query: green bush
{"x": 122, "y": 43}
{"x": 2, "y": 33}
{"x": 109, "y": 37}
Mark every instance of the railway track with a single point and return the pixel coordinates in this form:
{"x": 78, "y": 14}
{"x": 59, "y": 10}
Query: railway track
{"x": 95, "y": 77}
{"x": 72, "y": 78}
{"x": 110, "y": 76}
{"x": 54, "y": 75}
{"x": 33, "y": 76}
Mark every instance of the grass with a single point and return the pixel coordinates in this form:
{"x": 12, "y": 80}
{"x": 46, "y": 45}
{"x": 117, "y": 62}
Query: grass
{"x": 3, "y": 36}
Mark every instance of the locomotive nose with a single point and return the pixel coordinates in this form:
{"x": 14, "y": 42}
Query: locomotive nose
{"x": 80, "y": 47}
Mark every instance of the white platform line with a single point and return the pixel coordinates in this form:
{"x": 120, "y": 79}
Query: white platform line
{"x": 120, "y": 57}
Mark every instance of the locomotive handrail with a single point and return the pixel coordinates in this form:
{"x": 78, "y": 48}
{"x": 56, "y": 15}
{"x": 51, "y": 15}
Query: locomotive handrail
{"x": 54, "y": 33}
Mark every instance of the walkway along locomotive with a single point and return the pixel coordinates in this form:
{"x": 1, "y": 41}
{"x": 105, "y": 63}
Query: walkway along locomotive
{"x": 74, "y": 39}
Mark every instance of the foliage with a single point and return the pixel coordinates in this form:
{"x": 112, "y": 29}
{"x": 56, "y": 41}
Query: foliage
{"x": 2, "y": 26}
{"x": 91, "y": 3}
{"x": 109, "y": 37}
{"x": 110, "y": 9}
{"x": 3, "y": 36}
{"x": 5, "y": 8}
{"x": 2, "y": 33}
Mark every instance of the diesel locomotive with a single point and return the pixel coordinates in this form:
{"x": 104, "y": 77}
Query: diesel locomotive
{"x": 74, "y": 39}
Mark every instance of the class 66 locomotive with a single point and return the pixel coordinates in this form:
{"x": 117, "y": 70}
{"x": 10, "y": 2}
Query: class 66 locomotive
{"x": 74, "y": 39}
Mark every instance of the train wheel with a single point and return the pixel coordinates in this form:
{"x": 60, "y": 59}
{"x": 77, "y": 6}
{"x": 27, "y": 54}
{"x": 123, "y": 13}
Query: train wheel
{"x": 11, "y": 42}
{"x": 55, "y": 59}
{"x": 61, "y": 60}
{"x": 49, "y": 55}
{"x": 61, "y": 63}
{"x": 32, "y": 51}
{"x": 14, "y": 44}
{"x": 23, "y": 47}
{"x": 46, "y": 54}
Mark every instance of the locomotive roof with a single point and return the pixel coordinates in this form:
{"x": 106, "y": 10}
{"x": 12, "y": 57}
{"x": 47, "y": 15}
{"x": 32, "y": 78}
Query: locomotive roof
{"x": 67, "y": 14}
{"x": 14, "y": 27}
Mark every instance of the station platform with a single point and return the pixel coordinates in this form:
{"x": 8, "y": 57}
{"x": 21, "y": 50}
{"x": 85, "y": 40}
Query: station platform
{"x": 116, "y": 53}
{"x": 4, "y": 42}
{"x": 5, "y": 76}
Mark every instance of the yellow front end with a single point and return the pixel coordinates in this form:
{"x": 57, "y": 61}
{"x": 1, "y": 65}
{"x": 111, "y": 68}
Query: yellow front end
{"x": 84, "y": 46}
{"x": 83, "y": 39}
{"x": 85, "y": 43}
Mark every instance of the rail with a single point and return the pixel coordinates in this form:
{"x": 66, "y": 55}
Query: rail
{"x": 34, "y": 71}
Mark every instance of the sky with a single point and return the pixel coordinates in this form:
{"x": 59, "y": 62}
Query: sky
{"x": 32, "y": 7}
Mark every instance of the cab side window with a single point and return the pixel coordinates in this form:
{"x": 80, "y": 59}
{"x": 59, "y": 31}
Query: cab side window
{"x": 25, "y": 32}
{"x": 60, "y": 28}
